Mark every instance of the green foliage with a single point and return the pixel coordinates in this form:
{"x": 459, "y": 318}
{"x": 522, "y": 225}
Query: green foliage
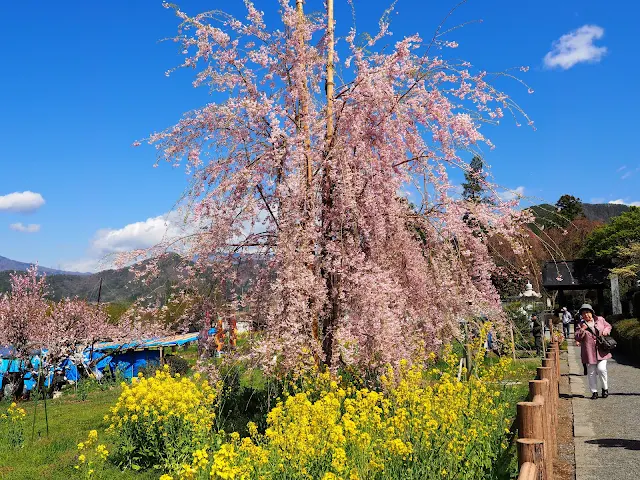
{"x": 520, "y": 321}
{"x": 473, "y": 187}
{"x": 247, "y": 396}
{"x": 569, "y": 208}
{"x": 635, "y": 304}
{"x": 115, "y": 310}
{"x": 606, "y": 241}
{"x": 627, "y": 333}
{"x": 629, "y": 261}
{"x": 177, "y": 364}
{"x": 546, "y": 216}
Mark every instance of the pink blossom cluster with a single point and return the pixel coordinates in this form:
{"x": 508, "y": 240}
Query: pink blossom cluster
{"x": 29, "y": 322}
{"x": 352, "y": 273}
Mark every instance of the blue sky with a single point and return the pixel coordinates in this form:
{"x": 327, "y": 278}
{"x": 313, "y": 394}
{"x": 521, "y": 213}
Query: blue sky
{"x": 82, "y": 81}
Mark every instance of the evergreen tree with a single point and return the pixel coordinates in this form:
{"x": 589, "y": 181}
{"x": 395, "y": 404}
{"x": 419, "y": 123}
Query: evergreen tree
{"x": 475, "y": 179}
{"x": 569, "y": 208}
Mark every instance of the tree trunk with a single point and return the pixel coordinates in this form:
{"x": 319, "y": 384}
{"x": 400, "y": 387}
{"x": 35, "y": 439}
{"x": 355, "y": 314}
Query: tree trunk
{"x": 332, "y": 280}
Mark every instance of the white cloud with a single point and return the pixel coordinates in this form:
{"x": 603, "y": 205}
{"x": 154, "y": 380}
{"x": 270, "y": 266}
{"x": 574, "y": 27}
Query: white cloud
{"x": 22, "y": 202}
{"x": 138, "y": 235}
{"x": 626, "y": 175}
{"x": 21, "y": 227}
{"x": 597, "y": 200}
{"x": 133, "y": 236}
{"x": 622, "y": 202}
{"x": 107, "y": 243}
{"x": 576, "y": 47}
{"x": 509, "y": 195}
{"x": 83, "y": 265}
{"x": 621, "y": 168}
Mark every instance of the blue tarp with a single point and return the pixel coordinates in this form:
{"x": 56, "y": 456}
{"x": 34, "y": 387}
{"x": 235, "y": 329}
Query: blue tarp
{"x": 131, "y": 363}
{"x": 128, "y": 358}
{"x": 173, "y": 340}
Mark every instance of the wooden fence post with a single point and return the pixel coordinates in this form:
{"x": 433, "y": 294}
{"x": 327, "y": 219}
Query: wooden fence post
{"x": 551, "y": 362}
{"x": 531, "y": 451}
{"x": 531, "y": 427}
{"x": 528, "y": 471}
{"x": 556, "y": 350}
{"x": 546, "y": 373}
{"x": 541, "y": 388}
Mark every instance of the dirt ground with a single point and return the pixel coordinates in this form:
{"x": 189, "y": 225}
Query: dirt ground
{"x": 564, "y": 465}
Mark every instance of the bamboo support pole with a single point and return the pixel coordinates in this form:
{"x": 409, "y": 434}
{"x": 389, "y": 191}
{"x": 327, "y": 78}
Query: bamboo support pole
{"x": 467, "y": 350}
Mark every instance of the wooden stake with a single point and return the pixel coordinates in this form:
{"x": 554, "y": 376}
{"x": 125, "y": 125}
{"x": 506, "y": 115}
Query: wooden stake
{"x": 551, "y": 362}
{"x": 540, "y": 388}
{"x": 513, "y": 343}
{"x": 531, "y": 450}
{"x": 556, "y": 351}
{"x": 547, "y": 373}
{"x": 530, "y": 415}
{"x": 528, "y": 471}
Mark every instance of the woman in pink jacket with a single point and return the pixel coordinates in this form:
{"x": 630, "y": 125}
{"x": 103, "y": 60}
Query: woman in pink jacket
{"x": 594, "y": 356}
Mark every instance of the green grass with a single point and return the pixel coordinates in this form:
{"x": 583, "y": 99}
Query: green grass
{"x": 53, "y": 457}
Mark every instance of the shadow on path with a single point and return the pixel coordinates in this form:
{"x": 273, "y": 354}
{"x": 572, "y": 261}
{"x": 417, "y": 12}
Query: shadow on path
{"x": 616, "y": 443}
{"x": 624, "y": 359}
{"x": 572, "y": 395}
{"x": 624, "y": 394}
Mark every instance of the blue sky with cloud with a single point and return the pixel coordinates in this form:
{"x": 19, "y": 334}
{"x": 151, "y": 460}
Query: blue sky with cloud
{"x": 83, "y": 80}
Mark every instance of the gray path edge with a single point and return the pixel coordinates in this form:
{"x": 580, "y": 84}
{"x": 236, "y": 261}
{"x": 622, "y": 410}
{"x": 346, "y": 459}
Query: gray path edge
{"x": 582, "y": 426}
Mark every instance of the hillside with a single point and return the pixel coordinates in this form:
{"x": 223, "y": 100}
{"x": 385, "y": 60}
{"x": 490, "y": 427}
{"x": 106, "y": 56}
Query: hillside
{"x": 603, "y": 212}
{"x": 6, "y": 264}
{"x": 120, "y": 286}
{"x": 117, "y": 285}
{"x": 547, "y": 216}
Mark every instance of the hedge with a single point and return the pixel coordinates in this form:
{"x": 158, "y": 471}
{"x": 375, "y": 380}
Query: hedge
{"x": 627, "y": 334}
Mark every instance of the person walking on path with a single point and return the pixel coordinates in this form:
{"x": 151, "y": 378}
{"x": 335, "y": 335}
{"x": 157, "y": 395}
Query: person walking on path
{"x": 566, "y": 322}
{"x": 594, "y": 356}
{"x": 536, "y": 331}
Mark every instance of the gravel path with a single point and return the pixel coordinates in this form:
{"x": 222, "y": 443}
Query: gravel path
{"x": 606, "y": 431}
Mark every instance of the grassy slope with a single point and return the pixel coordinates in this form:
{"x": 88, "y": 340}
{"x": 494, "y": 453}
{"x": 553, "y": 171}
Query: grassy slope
{"x": 69, "y": 423}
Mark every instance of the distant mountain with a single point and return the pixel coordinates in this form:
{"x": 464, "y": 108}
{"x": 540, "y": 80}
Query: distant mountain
{"x": 6, "y": 264}
{"x": 120, "y": 286}
{"x": 117, "y": 285}
{"x": 547, "y": 215}
{"x": 603, "y": 212}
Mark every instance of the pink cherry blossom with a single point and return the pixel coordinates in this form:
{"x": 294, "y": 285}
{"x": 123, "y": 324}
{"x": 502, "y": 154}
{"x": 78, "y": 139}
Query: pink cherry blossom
{"x": 308, "y": 186}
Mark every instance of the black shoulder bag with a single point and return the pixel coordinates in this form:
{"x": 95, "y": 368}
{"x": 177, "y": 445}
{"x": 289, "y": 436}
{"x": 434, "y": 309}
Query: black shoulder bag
{"x": 604, "y": 342}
